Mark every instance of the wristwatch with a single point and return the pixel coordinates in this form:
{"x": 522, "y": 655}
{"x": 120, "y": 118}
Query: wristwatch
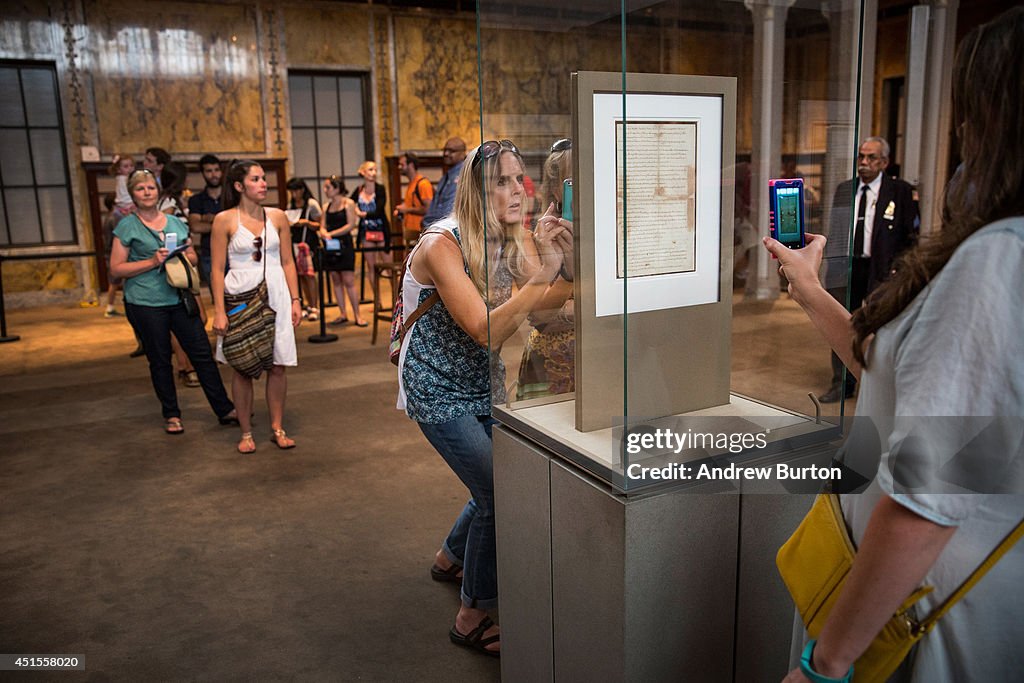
{"x": 807, "y": 670}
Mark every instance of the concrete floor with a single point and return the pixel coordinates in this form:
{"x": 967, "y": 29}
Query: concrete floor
{"x": 168, "y": 558}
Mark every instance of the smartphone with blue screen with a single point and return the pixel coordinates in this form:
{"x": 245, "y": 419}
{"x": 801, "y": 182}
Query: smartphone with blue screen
{"x": 567, "y": 199}
{"x": 786, "y": 211}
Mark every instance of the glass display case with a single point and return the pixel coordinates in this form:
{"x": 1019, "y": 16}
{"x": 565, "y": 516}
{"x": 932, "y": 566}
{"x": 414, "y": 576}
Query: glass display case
{"x": 665, "y": 346}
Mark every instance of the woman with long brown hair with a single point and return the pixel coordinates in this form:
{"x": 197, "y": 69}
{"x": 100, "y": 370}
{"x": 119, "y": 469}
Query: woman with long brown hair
{"x": 257, "y": 241}
{"x": 940, "y": 352}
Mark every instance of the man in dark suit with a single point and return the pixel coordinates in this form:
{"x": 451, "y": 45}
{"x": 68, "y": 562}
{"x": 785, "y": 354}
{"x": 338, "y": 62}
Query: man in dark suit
{"x": 874, "y": 219}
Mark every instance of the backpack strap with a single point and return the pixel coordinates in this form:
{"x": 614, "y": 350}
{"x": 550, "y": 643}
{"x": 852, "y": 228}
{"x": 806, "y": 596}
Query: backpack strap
{"x": 435, "y": 296}
{"x": 416, "y": 190}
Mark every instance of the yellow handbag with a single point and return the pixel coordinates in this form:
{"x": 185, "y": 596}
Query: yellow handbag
{"x": 814, "y": 563}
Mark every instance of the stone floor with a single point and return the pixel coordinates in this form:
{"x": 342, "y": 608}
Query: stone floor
{"x": 167, "y": 558}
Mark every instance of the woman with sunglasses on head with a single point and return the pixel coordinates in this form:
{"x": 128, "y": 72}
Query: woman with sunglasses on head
{"x": 154, "y": 308}
{"x": 256, "y": 242}
{"x": 446, "y": 374}
{"x": 548, "y": 366}
{"x": 338, "y": 222}
{"x": 939, "y": 349}
{"x": 371, "y": 207}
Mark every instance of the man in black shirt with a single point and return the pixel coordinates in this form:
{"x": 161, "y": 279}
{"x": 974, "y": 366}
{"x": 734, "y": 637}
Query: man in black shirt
{"x": 203, "y": 206}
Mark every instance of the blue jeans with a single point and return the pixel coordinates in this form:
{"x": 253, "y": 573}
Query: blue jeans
{"x": 154, "y": 325}
{"x": 465, "y": 444}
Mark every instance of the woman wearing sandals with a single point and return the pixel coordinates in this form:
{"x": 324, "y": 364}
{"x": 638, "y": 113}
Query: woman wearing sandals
{"x": 257, "y": 243}
{"x": 337, "y": 222}
{"x": 445, "y": 369}
{"x": 371, "y": 206}
{"x": 155, "y": 309}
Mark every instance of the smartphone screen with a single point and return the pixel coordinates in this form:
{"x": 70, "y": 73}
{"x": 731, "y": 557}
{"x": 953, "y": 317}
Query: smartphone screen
{"x": 171, "y": 241}
{"x": 567, "y": 199}
{"x": 786, "y": 212}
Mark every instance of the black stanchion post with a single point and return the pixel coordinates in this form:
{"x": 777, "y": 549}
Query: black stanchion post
{"x": 323, "y": 337}
{"x": 3, "y": 314}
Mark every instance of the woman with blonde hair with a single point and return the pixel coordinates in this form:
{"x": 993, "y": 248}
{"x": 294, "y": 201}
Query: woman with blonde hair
{"x": 447, "y": 380}
{"x": 548, "y": 366}
{"x": 155, "y": 309}
{"x": 257, "y": 241}
{"x": 371, "y": 207}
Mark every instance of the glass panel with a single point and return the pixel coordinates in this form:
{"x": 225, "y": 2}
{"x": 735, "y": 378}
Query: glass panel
{"x": 58, "y": 225}
{"x": 15, "y": 167}
{"x": 326, "y": 98}
{"x": 11, "y": 113}
{"x": 351, "y": 101}
{"x": 304, "y": 146}
{"x": 670, "y": 273}
{"x": 48, "y": 157}
{"x": 23, "y": 216}
{"x": 40, "y": 98}
{"x": 300, "y": 89}
{"x": 353, "y": 143}
{"x": 329, "y": 146}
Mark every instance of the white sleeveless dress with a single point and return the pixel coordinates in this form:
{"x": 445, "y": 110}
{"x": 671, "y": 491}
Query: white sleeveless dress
{"x": 246, "y": 272}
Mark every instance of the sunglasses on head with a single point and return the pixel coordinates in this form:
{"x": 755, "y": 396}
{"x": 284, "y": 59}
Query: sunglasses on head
{"x": 258, "y": 246}
{"x": 491, "y": 148}
{"x": 562, "y": 145}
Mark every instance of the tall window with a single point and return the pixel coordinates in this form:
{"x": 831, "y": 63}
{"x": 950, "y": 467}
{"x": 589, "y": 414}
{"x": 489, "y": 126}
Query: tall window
{"x": 35, "y": 194}
{"x": 330, "y": 126}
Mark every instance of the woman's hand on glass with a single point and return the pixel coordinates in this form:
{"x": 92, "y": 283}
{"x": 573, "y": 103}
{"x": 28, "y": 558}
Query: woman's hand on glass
{"x": 800, "y": 266}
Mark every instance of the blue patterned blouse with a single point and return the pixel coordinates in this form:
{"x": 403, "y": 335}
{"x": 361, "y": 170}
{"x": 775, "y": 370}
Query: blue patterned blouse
{"x": 446, "y": 374}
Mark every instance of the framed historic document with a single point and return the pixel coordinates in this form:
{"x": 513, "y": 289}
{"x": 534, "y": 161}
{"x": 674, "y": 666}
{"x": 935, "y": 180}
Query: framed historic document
{"x": 653, "y": 195}
{"x": 661, "y": 208}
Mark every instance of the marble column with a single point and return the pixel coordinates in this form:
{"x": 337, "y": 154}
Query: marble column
{"x": 769, "y": 62}
{"x": 848, "y": 83}
{"x": 938, "y": 112}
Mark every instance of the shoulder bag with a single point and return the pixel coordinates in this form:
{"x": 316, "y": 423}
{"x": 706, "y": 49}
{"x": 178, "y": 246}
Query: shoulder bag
{"x": 814, "y": 563}
{"x": 248, "y": 345}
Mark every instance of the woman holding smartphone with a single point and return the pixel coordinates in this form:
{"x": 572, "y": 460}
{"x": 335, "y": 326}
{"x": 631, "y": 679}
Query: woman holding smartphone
{"x": 154, "y": 308}
{"x": 938, "y": 349}
{"x": 339, "y": 222}
{"x": 472, "y": 259}
{"x": 258, "y": 243}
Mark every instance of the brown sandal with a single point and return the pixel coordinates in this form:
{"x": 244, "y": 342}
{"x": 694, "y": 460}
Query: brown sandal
{"x": 281, "y": 440}
{"x": 475, "y": 639}
{"x": 246, "y": 444}
{"x": 172, "y": 425}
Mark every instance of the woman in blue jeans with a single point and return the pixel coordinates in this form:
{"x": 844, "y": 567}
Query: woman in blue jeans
{"x": 155, "y": 309}
{"x": 448, "y": 375}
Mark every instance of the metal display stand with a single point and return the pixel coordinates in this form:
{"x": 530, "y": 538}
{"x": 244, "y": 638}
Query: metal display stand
{"x": 673, "y": 584}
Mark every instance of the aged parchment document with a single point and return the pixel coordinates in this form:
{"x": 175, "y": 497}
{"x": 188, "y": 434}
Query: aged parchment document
{"x": 655, "y": 197}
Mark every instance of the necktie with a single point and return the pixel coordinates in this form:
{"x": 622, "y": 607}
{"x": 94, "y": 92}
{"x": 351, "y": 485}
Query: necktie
{"x": 858, "y": 229}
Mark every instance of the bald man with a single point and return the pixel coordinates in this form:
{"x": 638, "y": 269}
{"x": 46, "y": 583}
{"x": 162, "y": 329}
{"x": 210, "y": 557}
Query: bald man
{"x": 454, "y": 154}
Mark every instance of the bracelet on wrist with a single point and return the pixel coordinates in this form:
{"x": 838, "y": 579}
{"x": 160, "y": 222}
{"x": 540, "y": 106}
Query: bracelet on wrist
{"x": 807, "y": 670}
